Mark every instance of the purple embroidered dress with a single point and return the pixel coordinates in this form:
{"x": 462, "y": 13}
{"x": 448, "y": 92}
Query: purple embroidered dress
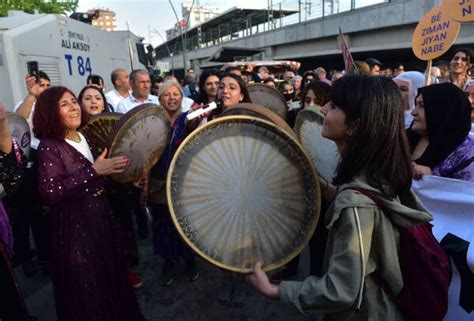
{"x": 459, "y": 164}
{"x": 88, "y": 269}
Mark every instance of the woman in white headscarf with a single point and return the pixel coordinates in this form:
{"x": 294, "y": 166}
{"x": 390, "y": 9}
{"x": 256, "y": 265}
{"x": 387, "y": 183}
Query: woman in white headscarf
{"x": 409, "y": 82}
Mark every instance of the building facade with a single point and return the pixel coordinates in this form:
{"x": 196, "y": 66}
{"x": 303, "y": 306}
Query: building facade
{"x": 106, "y": 19}
{"x": 193, "y": 15}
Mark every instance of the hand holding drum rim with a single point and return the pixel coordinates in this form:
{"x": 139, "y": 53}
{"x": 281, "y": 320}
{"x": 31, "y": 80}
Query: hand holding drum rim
{"x": 107, "y": 166}
{"x": 258, "y": 279}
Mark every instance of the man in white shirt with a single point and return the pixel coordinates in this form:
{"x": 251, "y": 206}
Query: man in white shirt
{"x": 120, "y": 79}
{"x": 26, "y": 107}
{"x": 140, "y": 83}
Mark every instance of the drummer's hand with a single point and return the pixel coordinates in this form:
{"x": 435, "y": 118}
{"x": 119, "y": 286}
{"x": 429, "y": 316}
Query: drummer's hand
{"x": 106, "y": 166}
{"x": 3, "y": 113}
{"x": 142, "y": 182}
{"x": 260, "y": 282}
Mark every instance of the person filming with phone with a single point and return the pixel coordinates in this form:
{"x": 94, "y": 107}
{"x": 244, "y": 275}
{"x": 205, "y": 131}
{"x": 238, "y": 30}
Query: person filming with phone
{"x": 96, "y": 80}
{"x": 36, "y": 82}
{"x": 27, "y": 211}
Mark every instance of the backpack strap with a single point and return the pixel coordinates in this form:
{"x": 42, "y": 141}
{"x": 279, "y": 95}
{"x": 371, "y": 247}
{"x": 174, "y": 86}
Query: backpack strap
{"x": 376, "y": 200}
{"x": 372, "y": 196}
{"x": 362, "y": 254}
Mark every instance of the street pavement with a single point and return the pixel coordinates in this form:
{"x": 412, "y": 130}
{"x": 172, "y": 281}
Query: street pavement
{"x": 182, "y": 301}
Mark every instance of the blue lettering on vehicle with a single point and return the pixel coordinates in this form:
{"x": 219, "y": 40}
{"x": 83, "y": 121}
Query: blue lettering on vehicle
{"x": 81, "y": 65}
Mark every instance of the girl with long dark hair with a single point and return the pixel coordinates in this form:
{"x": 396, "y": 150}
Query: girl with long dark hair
{"x": 365, "y": 120}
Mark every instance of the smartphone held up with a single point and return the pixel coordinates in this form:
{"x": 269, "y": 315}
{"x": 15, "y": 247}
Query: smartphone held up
{"x": 33, "y": 69}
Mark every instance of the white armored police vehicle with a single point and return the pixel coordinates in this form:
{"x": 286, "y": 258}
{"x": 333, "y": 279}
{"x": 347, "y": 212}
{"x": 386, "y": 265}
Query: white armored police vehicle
{"x": 66, "y": 49}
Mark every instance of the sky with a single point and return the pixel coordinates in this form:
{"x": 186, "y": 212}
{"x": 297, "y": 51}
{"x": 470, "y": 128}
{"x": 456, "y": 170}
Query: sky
{"x": 151, "y": 18}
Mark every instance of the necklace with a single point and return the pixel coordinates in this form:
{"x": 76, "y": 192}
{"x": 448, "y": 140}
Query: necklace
{"x": 76, "y": 140}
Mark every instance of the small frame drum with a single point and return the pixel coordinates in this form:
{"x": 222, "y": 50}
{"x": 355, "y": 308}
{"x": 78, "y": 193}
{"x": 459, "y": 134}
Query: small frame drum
{"x": 20, "y": 131}
{"x": 98, "y": 129}
{"x": 242, "y": 190}
{"x": 268, "y": 97}
{"x": 322, "y": 151}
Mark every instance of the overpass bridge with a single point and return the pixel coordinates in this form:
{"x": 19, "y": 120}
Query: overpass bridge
{"x": 383, "y": 31}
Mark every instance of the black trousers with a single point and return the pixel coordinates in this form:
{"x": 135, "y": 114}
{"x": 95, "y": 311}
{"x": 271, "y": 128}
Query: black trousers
{"x": 26, "y": 214}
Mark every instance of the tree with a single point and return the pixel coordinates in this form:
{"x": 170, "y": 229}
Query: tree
{"x": 43, "y": 6}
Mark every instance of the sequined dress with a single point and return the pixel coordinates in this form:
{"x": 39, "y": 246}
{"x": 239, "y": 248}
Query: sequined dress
{"x": 12, "y": 305}
{"x": 88, "y": 269}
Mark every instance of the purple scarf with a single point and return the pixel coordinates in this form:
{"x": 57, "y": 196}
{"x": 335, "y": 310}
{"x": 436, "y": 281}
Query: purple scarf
{"x": 5, "y": 230}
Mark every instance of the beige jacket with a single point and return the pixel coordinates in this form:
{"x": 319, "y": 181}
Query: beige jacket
{"x": 361, "y": 240}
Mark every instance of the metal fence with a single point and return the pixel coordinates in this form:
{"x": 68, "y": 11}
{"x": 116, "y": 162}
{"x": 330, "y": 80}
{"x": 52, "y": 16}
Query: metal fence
{"x": 314, "y": 9}
{"x": 305, "y": 10}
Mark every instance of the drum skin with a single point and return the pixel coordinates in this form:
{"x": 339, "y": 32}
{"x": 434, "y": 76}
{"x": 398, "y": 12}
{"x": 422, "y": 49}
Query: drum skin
{"x": 141, "y": 135}
{"x": 242, "y": 190}
{"x": 258, "y": 111}
{"x": 98, "y": 129}
{"x": 20, "y": 131}
{"x": 322, "y": 151}
{"x": 268, "y": 97}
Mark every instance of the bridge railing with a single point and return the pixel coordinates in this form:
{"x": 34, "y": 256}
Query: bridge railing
{"x": 306, "y": 10}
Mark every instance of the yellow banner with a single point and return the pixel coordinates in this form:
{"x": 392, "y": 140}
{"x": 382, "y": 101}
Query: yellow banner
{"x": 434, "y": 34}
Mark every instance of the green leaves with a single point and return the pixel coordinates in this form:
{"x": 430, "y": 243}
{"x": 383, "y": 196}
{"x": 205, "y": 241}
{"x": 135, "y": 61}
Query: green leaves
{"x": 43, "y": 6}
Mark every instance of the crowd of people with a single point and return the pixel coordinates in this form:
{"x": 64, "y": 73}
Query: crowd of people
{"x": 388, "y": 126}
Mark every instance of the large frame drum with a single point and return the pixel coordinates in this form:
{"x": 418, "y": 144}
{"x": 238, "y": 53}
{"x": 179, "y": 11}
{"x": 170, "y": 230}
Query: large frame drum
{"x": 258, "y": 111}
{"x": 141, "y": 135}
{"x": 242, "y": 190}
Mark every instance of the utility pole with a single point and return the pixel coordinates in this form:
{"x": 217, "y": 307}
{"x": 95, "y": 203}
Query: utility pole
{"x": 182, "y": 37}
{"x": 183, "y": 29}
{"x": 299, "y": 11}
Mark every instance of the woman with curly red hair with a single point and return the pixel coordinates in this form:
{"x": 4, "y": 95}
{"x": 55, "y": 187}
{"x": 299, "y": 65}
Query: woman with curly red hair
{"x": 87, "y": 265}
